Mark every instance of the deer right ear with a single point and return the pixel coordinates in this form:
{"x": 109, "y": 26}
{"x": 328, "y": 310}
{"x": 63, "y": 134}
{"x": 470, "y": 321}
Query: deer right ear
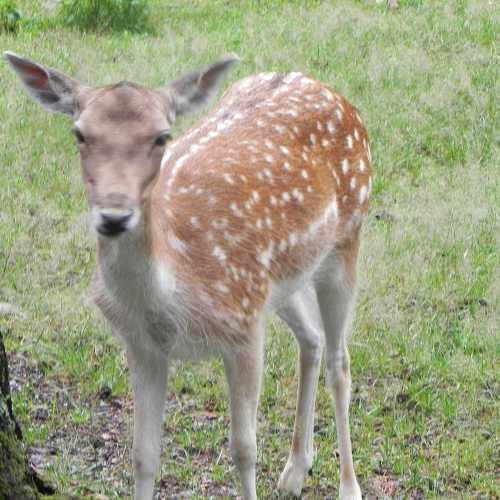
{"x": 195, "y": 90}
{"x": 52, "y": 89}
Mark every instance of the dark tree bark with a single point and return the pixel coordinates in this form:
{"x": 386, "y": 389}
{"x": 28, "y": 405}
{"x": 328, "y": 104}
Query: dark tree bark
{"x": 18, "y": 481}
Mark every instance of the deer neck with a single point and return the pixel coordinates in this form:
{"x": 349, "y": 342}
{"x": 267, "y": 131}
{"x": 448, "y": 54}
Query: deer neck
{"x": 135, "y": 266}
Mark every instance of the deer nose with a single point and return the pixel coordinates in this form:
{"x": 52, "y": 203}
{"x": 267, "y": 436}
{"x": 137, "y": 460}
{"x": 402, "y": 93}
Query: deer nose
{"x": 113, "y": 221}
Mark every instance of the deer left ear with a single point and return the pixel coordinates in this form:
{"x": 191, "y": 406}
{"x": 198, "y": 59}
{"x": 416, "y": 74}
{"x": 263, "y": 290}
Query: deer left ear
{"x": 195, "y": 90}
{"x": 53, "y": 90}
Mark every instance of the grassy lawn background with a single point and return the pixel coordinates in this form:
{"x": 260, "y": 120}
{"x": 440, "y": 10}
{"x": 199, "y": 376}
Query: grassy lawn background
{"x": 424, "y": 416}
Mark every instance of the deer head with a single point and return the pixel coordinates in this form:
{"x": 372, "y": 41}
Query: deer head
{"x": 121, "y": 131}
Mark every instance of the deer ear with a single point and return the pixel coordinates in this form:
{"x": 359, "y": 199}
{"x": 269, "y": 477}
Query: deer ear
{"x": 194, "y": 91}
{"x": 52, "y": 89}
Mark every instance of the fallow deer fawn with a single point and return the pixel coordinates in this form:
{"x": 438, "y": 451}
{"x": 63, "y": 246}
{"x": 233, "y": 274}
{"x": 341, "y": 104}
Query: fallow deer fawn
{"x": 256, "y": 209}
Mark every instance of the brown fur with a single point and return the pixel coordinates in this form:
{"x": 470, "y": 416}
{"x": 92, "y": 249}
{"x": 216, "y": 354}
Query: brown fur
{"x": 205, "y": 172}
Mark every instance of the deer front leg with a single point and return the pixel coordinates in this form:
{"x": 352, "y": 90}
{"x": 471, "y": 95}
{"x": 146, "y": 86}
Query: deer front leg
{"x": 148, "y": 371}
{"x": 243, "y": 371}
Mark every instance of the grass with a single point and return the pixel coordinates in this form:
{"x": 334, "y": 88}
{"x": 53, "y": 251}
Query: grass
{"x": 425, "y": 393}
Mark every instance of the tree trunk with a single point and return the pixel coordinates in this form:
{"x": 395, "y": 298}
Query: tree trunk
{"x": 18, "y": 481}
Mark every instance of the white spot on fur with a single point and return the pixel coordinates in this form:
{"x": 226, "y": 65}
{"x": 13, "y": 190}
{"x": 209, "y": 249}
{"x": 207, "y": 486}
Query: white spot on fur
{"x": 287, "y": 166}
{"x": 219, "y": 253}
{"x": 362, "y": 194}
{"x": 353, "y": 183}
{"x": 304, "y": 174}
{"x": 177, "y": 244}
{"x": 220, "y": 287}
{"x": 290, "y": 77}
{"x": 233, "y": 270}
{"x": 325, "y": 143}
{"x": 326, "y": 93}
{"x": 166, "y": 157}
{"x": 228, "y": 178}
{"x": 266, "y": 256}
{"x": 223, "y": 125}
{"x": 331, "y": 127}
{"x": 338, "y": 114}
{"x": 298, "y": 195}
{"x": 194, "y": 148}
{"x": 220, "y": 224}
{"x": 345, "y": 166}
{"x": 233, "y": 239}
{"x": 349, "y": 141}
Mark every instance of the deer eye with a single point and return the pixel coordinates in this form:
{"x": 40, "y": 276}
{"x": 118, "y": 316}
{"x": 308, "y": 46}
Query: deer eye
{"x": 79, "y": 136}
{"x": 162, "y": 139}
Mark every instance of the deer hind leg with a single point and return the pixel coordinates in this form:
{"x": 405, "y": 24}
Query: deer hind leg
{"x": 243, "y": 366}
{"x": 148, "y": 371}
{"x": 301, "y": 313}
{"x": 335, "y": 292}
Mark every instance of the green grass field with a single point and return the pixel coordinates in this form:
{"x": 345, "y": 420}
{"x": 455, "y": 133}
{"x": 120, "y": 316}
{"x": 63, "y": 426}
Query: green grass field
{"x": 424, "y": 415}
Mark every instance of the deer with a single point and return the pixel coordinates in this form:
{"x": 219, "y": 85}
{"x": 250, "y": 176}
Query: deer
{"x": 256, "y": 209}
